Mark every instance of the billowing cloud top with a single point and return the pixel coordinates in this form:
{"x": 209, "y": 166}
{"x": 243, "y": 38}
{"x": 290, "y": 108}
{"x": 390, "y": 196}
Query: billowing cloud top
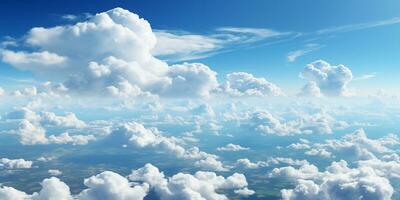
{"x": 330, "y": 80}
{"x": 109, "y": 54}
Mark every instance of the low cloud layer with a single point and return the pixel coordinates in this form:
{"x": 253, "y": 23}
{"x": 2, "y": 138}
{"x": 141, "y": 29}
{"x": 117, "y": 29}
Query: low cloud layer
{"x": 112, "y": 186}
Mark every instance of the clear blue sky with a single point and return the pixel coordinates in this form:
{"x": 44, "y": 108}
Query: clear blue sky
{"x": 366, "y": 50}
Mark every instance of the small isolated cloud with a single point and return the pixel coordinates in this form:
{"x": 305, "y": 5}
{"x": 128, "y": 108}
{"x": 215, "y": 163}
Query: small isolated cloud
{"x": 331, "y": 80}
{"x": 317, "y": 123}
{"x": 232, "y": 147}
{"x": 74, "y": 18}
{"x": 54, "y": 172}
{"x": 247, "y": 164}
{"x": 356, "y": 143}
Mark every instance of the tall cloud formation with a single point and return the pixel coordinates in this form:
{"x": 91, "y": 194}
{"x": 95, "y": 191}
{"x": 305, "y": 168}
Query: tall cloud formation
{"x": 330, "y": 80}
{"x": 109, "y": 53}
{"x": 112, "y": 186}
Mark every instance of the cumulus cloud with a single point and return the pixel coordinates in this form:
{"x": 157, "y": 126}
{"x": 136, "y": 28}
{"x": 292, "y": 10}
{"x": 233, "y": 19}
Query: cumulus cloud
{"x": 66, "y": 138}
{"x": 331, "y": 80}
{"x": 191, "y": 79}
{"x": 245, "y": 192}
{"x": 310, "y": 89}
{"x": 112, "y": 186}
{"x": 245, "y": 84}
{"x": 321, "y": 122}
{"x": 15, "y": 163}
{"x": 201, "y": 185}
{"x": 52, "y": 188}
{"x": 356, "y": 143}
{"x": 232, "y": 147}
{"x": 143, "y": 137}
{"x": 46, "y": 89}
{"x": 337, "y": 182}
{"x": 116, "y": 60}
{"x": 31, "y": 127}
{"x": 246, "y": 163}
{"x": 107, "y": 185}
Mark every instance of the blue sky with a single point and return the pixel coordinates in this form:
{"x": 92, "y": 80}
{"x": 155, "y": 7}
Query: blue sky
{"x": 366, "y": 49}
{"x": 200, "y": 99}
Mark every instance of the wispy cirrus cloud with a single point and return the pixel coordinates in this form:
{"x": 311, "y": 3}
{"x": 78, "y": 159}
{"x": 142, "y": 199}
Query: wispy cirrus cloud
{"x": 182, "y": 45}
{"x": 359, "y": 26}
{"x": 365, "y": 77}
{"x": 308, "y": 48}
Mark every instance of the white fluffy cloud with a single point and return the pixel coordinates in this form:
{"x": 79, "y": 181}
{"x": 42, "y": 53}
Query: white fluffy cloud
{"x": 109, "y": 185}
{"x": 116, "y": 59}
{"x": 310, "y": 89}
{"x": 43, "y": 60}
{"x": 52, "y": 188}
{"x": 54, "y": 172}
{"x": 15, "y": 163}
{"x": 112, "y": 186}
{"x": 320, "y": 122}
{"x": 337, "y": 182}
{"x": 46, "y": 89}
{"x": 106, "y": 185}
{"x": 245, "y": 84}
{"x": 246, "y": 163}
{"x": 201, "y": 185}
{"x": 143, "y": 137}
{"x": 356, "y": 143}
{"x": 232, "y": 147}
{"x": 331, "y": 80}
{"x": 31, "y": 127}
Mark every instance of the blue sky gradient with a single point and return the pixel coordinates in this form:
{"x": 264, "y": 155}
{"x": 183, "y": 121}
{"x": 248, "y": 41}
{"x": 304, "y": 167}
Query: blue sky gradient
{"x": 267, "y": 58}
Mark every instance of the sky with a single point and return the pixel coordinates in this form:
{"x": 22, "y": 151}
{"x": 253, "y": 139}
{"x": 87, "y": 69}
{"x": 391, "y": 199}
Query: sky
{"x": 355, "y": 30}
{"x": 200, "y": 99}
